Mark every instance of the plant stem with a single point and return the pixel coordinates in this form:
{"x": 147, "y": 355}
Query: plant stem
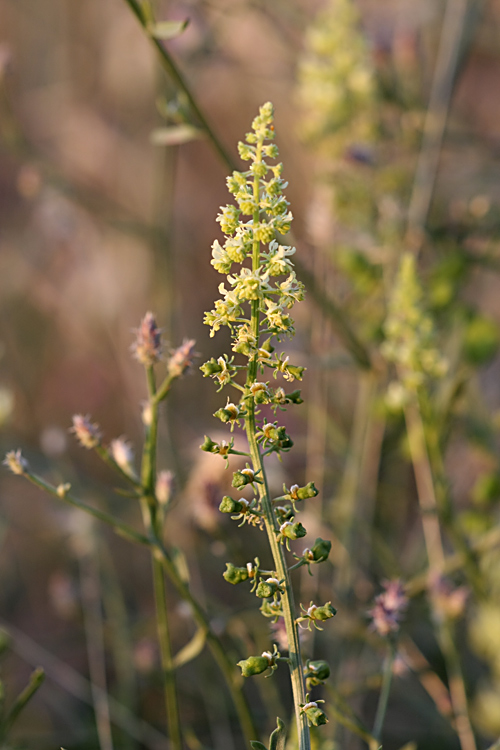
{"x": 456, "y": 687}
{"x": 148, "y": 503}
{"x": 436, "y": 118}
{"x": 435, "y": 554}
{"x": 288, "y": 605}
{"x": 384, "y": 693}
{"x": 122, "y": 529}
{"x": 36, "y": 679}
{"x": 171, "y": 702}
{"x": 180, "y": 81}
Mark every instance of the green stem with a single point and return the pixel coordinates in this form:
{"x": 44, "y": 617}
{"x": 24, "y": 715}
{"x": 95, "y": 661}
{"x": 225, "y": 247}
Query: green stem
{"x": 171, "y": 702}
{"x": 219, "y": 651}
{"x": 384, "y": 693}
{"x": 177, "y": 77}
{"x": 287, "y": 599}
{"x": 456, "y": 686}
{"x": 127, "y": 532}
{"x": 296, "y": 665}
{"x": 36, "y": 679}
{"x": 149, "y": 509}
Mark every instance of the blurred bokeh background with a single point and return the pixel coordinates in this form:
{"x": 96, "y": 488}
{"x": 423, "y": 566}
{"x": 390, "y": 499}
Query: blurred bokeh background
{"x": 99, "y": 225}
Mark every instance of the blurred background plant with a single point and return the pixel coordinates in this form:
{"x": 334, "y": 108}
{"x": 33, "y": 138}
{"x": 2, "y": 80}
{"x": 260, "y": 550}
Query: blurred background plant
{"x": 389, "y": 129}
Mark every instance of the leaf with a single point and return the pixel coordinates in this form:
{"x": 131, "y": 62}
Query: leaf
{"x": 167, "y": 29}
{"x": 257, "y": 745}
{"x": 409, "y": 746}
{"x": 181, "y": 566}
{"x": 175, "y": 135}
{"x": 192, "y": 649}
{"x": 278, "y": 737}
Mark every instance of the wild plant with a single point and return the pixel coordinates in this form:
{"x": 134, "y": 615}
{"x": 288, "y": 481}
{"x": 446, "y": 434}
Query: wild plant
{"x": 153, "y": 490}
{"x": 256, "y": 308}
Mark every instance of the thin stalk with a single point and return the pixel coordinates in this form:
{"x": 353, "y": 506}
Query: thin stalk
{"x": 456, "y": 687}
{"x": 435, "y": 554}
{"x": 148, "y": 503}
{"x": 122, "y": 529}
{"x": 36, "y": 679}
{"x": 346, "y": 507}
{"x": 436, "y": 118}
{"x": 288, "y": 605}
{"x": 177, "y": 77}
{"x": 94, "y": 636}
{"x": 385, "y": 692}
{"x": 171, "y": 702}
{"x": 425, "y": 489}
{"x": 219, "y": 651}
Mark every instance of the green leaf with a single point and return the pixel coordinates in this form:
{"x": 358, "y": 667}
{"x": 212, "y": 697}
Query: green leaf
{"x": 175, "y": 135}
{"x": 167, "y": 29}
{"x": 278, "y": 737}
{"x": 257, "y": 745}
{"x": 191, "y": 650}
{"x": 181, "y": 565}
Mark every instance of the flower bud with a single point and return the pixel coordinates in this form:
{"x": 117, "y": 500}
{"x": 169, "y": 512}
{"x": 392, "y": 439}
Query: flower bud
{"x": 147, "y": 346}
{"x": 16, "y": 462}
{"x": 164, "y": 487}
{"x": 181, "y": 358}
{"x": 88, "y": 434}
{"x": 123, "y": 456}
{"x": 235, "y": 575}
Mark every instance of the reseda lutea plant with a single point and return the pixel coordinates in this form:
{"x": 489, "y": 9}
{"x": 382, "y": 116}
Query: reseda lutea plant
{"x": 256, "y": 309}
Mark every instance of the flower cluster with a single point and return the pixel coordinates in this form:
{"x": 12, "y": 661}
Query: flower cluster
{"x": 259, "y": 214}
{"x": 337, "y": 85}
{"x": 409, "y": 331}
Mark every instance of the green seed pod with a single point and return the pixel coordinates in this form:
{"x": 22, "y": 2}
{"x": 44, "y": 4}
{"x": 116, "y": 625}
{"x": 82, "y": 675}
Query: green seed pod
{"x": 267, "y": 588}
{"x": 303, "y": 493}
{"x": 212, "y": 367}
{"x": 253, "y": 665}
{"x": 293, "y": 530}
{"x": 317, "y": 672}
{"x": 208, "y": 445}
{"x": 242, "y": 478}
{"x": 228, "y": 414}
{"x": 296, "y": 372}
{"x": 294, "y": 397}
{"x": 315, "y": 716}
{"x": 320, "y": 550}
{"x": 267, "y": 346}
{"x": 235, "y": 575}
{"x": 323, "y": 613}
{"x": 228, "y": 505}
